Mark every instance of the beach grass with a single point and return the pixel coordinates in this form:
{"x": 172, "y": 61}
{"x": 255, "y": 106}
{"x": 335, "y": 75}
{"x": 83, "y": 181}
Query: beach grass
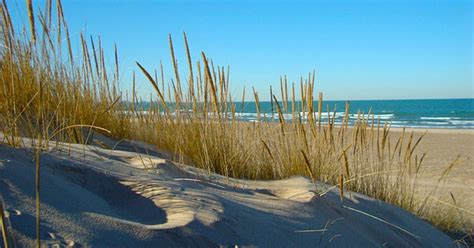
{"x": 51, "y": 92}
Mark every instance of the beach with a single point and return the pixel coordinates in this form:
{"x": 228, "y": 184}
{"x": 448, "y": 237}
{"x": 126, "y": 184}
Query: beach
{"x": 105, "y": 143}
{"x": 442, "y": 146}
{"x": 93, "y": 196}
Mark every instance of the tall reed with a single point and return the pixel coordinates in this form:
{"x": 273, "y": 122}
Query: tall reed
{"x": 3, "y": 226}
{"x": 45, "y": 96}
{"x": 360, "y": 157}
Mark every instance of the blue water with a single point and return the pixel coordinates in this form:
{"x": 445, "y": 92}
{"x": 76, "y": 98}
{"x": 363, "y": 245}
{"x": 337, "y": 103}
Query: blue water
{"x": 432, "y": 113}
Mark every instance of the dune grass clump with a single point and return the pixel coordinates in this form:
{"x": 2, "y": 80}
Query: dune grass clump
{"x": 198, "y": 120}
{"x": 50, "y": 92}
{"x": 45, "y": 89}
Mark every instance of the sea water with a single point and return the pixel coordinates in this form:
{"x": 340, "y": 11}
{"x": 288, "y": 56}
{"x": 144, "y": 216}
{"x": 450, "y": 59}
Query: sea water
{"x": 422, "y": 113}
{"x": 426, "y": 113}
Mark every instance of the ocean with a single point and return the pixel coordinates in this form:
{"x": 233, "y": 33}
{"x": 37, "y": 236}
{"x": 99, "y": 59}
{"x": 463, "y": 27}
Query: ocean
{"x": 429, "y": 113}
{"x": 420, "y": 113}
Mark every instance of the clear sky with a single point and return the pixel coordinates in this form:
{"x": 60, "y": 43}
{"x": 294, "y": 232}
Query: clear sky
{"x": 363, "y": 49}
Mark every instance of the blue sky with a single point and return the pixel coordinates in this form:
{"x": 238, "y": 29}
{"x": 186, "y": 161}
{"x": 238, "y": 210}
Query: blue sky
{"x": 359, "y": 49}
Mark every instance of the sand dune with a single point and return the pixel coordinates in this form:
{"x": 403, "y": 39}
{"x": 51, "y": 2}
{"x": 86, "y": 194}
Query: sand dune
{"x": 135, "y": 197}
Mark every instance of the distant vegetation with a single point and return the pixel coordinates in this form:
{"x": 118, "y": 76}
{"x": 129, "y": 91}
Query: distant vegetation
{"x": 51, "y": 92}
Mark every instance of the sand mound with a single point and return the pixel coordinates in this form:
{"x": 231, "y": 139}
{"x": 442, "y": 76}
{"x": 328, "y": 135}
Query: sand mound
{"x": 134, "y": 197}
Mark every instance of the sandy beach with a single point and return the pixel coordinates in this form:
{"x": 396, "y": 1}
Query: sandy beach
{"x": 442, "y": 146}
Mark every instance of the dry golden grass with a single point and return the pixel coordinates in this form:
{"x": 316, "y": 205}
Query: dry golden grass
{"x": 359, "y": 158}
{"x": 3, "y": 226}
{"x": 46, "y": 96}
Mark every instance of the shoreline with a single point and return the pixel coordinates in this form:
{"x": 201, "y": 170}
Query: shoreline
{"x": 435, "y": 130}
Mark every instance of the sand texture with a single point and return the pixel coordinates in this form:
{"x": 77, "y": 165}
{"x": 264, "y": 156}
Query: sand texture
{"x": 442, "y": 146}
{"x": 135, "y": 197}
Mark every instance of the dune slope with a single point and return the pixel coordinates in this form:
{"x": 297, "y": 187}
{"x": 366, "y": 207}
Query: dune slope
{"x": 134, "y": 197}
